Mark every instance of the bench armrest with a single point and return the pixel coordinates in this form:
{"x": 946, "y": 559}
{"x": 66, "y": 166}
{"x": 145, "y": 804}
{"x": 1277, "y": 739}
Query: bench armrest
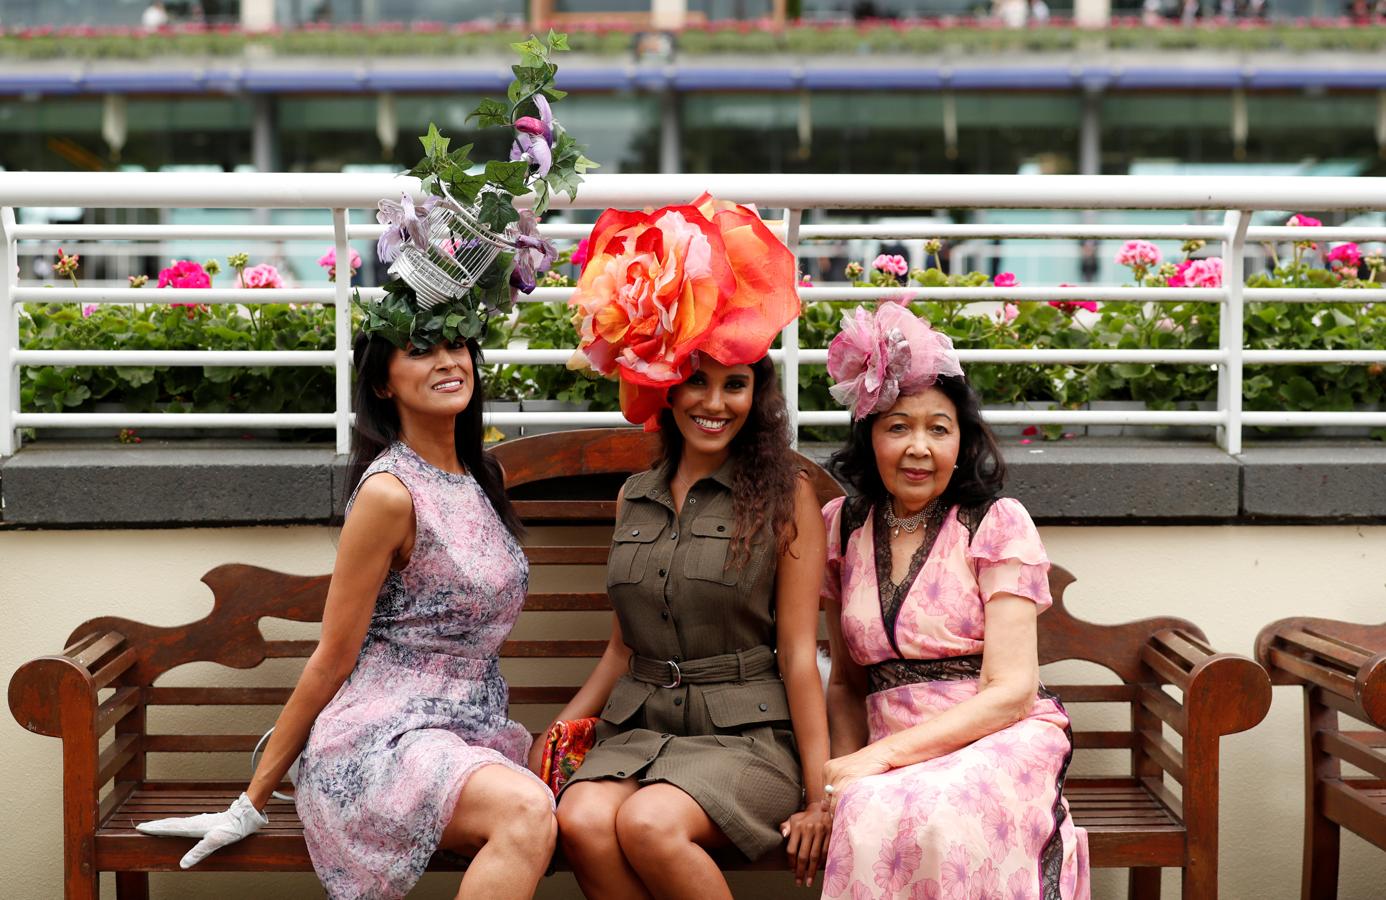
{"x": 1339, "y": 658}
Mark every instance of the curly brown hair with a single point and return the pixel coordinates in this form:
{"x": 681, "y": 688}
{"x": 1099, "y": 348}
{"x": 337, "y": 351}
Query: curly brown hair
{"x": 764, "y": 478}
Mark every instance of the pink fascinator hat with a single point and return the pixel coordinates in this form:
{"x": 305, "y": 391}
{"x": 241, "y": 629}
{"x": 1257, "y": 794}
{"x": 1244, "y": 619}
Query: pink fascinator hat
{"x": 878, "y": 356}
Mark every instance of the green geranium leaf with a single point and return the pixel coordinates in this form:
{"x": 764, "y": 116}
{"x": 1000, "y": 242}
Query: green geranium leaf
{"x": 434, "y": 144}
{"x": 490, "y": 113}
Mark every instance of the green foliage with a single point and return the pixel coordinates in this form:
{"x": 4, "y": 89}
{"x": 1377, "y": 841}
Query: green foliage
{"x": 262, "y": 389}
{"x": 804, "y": 40}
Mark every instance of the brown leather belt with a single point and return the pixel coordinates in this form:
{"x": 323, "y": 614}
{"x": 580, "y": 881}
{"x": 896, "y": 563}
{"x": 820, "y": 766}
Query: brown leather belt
{"x": 669, "y": 673}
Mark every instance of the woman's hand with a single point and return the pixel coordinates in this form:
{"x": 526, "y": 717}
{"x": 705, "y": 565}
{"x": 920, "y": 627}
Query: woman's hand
{"x": 807, "y": 835}
{"x": 841, "y": 772}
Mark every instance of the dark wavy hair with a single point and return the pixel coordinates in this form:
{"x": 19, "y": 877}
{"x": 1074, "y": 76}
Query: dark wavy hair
{"x": 765, "y": 469}
{"x": 981, "y": 472}
{"x": 377, "y": 424}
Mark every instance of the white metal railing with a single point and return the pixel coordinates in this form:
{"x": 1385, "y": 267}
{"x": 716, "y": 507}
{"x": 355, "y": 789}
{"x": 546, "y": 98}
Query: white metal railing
{"x": 1236, "y": 198}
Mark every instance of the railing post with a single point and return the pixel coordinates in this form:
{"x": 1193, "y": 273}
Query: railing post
{"x": 342, "y": 341}
{"x": 789, "y": 338}
{"x": 1231, "y": 331}
{"x": 9, "y": 335}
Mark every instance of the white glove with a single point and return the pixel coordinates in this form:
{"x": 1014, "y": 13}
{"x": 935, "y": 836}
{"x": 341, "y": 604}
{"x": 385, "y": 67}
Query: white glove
{"x": 216, "y": 830}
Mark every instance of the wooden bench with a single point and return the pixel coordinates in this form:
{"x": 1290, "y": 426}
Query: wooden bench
{"x": 108, "y": 679}
{"x": 1342, "y": 669}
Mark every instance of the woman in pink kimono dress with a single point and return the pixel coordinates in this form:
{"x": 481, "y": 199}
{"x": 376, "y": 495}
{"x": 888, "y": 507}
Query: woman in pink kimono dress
{"x": 948, "y": 783}
{"x": 987, "y": 820}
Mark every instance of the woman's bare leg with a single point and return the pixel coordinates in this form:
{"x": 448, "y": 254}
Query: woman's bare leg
{"x": 505, "y": 820}
{"x": 587, "y": 833}
{"x": 664, "y": 833}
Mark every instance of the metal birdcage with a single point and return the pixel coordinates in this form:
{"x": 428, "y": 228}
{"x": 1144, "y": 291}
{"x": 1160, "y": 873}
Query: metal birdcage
{"x": 460, "y": 248}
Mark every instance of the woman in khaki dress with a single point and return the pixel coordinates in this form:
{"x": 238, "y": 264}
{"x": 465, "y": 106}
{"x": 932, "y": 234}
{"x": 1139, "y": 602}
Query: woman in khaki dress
{"x": 709, "y": 694}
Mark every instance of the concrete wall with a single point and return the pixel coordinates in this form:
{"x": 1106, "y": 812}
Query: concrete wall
{"x": 1229, "y": 579}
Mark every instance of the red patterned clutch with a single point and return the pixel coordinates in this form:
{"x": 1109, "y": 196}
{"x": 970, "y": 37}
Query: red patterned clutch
{"x": 565, "y": 746}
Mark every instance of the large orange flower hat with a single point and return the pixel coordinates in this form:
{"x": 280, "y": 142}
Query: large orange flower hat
{"x": 660, "y": 288}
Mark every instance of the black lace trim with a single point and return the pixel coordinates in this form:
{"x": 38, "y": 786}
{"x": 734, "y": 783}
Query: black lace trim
{"x": 893, "y": 673}
{"x": 1051, "y": 861}
{"x": 893, "y": 595}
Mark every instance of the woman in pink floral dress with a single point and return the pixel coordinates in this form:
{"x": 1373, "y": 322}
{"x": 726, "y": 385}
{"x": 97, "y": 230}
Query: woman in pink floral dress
{"x": 401, "y": 711}
{"x": 948, "y": 755}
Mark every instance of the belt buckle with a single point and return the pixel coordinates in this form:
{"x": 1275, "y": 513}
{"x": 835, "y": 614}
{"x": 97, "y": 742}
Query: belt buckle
{"x": 678, "y": 674}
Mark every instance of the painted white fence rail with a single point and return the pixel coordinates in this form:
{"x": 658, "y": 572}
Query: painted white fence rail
{"x": 1233, "y": 198}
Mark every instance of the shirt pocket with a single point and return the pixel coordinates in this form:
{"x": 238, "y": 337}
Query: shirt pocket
{"x": 627, "y": 698}
{"x": 735, "y": 706}
{"x": 708, "y": 550}
{"x": 631, "y": 547}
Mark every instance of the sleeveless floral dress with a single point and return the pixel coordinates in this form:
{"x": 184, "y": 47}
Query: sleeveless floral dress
{"x": 426, "y": 705}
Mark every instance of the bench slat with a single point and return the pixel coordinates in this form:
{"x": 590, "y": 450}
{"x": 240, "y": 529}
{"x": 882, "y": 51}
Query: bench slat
{"x": 1350, "y": 658}
{"x": 1165, "y": 707}
{"x": 112, "y": 670}
{"x": 1314, "y": 673}
{"x": 1361, "y": 755}
{"x": 1162, "y": 752}
{"x": 96, "y": 649}
{"x": 116, "y": 707}
{"x": 114, "y": 757}
{"x": 1165, "y": 667}
{"x": 552, "y": 649}
{"x": 556, "y": 555}
{"x": 187, "y": 696}
{"x": 1102, "y": 740}
{"x": 1095, "y": 693}
{"x": 200, "y": 743}
{"x": 570, "y": 601}
{"x": 596, "y": 511}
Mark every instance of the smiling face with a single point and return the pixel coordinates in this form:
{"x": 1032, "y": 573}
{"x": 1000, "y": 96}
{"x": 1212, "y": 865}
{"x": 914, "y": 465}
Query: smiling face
{"x": 916, "y": 443}
{"x": 712, "y": 405}
{"x": 437, "y": 381}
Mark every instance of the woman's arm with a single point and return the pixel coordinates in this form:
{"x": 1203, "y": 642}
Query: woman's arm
{"x": 847, "y": 690}
{"x": 1006, "y": 693}
{"x": 593, "y": 694}
{"x": 379, "y": 527}
{"x": 798, "y": 580}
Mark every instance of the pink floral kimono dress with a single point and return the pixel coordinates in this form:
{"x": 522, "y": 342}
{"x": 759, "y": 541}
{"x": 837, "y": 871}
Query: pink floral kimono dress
{"x": 988, "y": 820}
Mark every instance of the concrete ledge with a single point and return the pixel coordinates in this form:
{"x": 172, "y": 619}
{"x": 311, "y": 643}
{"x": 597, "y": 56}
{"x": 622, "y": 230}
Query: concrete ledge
{"x": 1347, "y": 481}
{"x": 1086, "y": 481}
{"x": 64, "y": 486}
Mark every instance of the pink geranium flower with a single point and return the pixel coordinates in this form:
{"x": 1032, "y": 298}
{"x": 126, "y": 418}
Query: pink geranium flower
{"x": 1138, "y": 254}
{"x": 1006, "y": 279}
{"x": 1204, "y": 273}
{"x": 579, "y": 258}
{"x": 184, "y": 273}
{"x": 1345, "y": 256}
{"x": 893, "y": 265}
{"x": 329, "y": 262}
{"x": 1071, "y": 307}
{"x": 88, "y": 309}
{"x": 262, "y": 276}
{"x": 1300, "y": 220}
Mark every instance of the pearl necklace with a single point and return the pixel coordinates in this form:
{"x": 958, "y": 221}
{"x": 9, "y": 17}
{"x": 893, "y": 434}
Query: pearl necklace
{"x": 910, "y": 524}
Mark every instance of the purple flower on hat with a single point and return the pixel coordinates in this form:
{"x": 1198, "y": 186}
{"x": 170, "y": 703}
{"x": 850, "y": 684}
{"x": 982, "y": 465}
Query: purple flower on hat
{"x": 404, "y": 224}
{"x": 534, "y": 138}
{"x": 533, "y": 254}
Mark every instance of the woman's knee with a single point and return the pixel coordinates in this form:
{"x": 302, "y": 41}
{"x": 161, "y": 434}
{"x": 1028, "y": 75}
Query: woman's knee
{"x": 646, "y": 826}
{"x": 587, "y": 817}
{"x": 529, "y": 818}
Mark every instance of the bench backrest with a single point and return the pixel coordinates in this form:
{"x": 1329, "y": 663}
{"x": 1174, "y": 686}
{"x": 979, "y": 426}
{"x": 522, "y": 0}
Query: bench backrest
{"x": 564, "y": 485}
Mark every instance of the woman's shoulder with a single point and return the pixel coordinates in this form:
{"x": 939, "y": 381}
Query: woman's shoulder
{"x": 642, "y": 484}
{"x": 382, "y": 494}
